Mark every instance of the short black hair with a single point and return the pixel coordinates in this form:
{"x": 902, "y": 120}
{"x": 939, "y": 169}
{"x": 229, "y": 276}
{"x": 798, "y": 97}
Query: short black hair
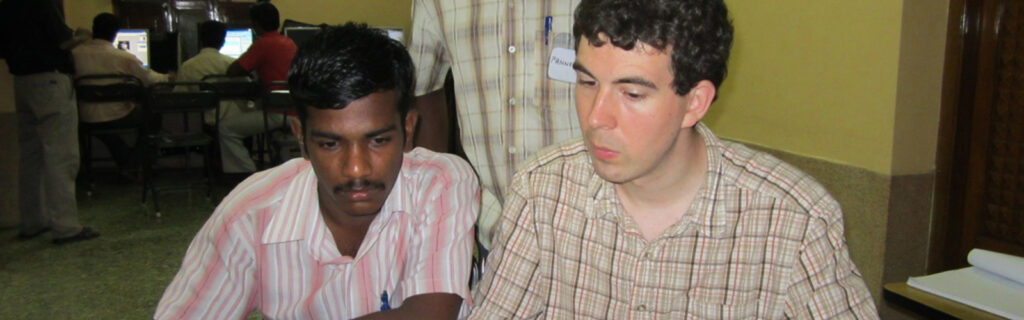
{"x": 265, "y": 15}
{"x": 105, "y": 26}
{"x": 341, "y": 64}
{"x": 211, "y": 34}
{"x": 698, "y": 31}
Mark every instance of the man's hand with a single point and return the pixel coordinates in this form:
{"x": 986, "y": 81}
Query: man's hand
{"x": 423, "y": 307}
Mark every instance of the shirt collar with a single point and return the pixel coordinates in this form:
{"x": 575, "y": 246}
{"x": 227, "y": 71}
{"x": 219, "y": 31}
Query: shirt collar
{"x": 208, "y": 50}
{"x": 605, "y": 202}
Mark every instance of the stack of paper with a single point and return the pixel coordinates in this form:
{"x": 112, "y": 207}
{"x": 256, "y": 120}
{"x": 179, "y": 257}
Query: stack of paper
{"x": 994, "y": 283}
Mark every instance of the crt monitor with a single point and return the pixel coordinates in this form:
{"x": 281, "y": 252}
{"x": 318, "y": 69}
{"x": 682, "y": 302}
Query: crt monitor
{"x": 300, "y": 34}
{"x": 135, "y": 41}
{"x": 236, "y": 42}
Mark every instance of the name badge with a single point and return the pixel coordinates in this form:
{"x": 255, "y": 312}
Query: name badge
{"x": 560, "y": 65}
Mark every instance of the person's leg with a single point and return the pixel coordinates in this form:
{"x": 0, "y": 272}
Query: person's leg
{"x": 59, "y": 134}
{"x": 235, "y": 156}
{"x": 49, "y": 158}
{"x": 30, "y": 155}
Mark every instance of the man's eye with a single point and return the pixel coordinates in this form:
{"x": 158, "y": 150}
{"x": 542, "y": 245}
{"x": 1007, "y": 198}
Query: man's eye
{"x": 327, "y": 144}
{"x": 380, "y": 140}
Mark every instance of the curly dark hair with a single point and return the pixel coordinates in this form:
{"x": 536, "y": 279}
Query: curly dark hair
{"x": 698, "y": 31}
{"x": 341, "y": 64}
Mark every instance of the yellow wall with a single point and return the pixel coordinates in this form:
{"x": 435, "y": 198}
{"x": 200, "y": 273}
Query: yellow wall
{"x": 815, "y": 78}
{"x": 390, "y": 13}
{"x": 79, "y": 13}
{"x": 918, "y": 100}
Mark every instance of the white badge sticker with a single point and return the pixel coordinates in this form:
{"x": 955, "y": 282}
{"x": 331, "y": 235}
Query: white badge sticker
{"x": 560, "y": 65}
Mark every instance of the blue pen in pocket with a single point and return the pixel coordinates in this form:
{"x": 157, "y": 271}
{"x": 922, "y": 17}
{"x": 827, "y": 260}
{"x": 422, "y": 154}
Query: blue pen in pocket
{"x": 547, "y": 28}
{"x": 384, "y": 305}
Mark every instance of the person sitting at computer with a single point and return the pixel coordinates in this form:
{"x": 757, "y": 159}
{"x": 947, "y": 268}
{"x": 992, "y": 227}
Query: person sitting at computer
{"x": 100, "y": 56}
{"x": 269, "y": 57}
{"x": 354, "y": 228}
{"x": 209, "y": 61}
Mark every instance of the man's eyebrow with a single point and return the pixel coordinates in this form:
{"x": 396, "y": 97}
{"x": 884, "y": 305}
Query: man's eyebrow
{"x": 324, "y": 134}
{"x": 380, "y": 131}
{"x": 628, "y": 80}
{"x": 580, "y": 68}
{"x": 637, "y": 81}
{"x": 332, "y": 136}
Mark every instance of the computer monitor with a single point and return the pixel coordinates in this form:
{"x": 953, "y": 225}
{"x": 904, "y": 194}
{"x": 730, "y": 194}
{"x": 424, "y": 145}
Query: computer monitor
{"x": 300, "y": 34}
{"x": 136, "y": 42}
{"x": 395, "y": 33}
{"x": 236, "y": 42}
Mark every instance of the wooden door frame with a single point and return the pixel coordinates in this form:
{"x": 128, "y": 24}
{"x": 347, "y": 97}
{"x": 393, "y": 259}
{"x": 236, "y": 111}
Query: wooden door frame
{"x": 965, "y": 102}
{"x": 945, "y": 204}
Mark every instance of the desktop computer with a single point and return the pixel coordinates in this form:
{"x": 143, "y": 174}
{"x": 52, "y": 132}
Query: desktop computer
{"x": 136, "y": 42}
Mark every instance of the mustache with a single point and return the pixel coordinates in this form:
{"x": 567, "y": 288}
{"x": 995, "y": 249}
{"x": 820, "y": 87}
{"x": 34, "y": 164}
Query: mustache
{"x": 359, "y": 185}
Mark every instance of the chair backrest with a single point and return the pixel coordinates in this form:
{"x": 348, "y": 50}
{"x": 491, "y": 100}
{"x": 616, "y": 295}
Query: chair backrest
{"x": 278, "y": 100}
{"x": 234, "y": 88}
{"x": 164, "y": 99}
{"x": 109, "y": 88}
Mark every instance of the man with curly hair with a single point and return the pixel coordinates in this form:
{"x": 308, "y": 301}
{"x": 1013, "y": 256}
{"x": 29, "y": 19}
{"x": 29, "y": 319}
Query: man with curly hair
{"x": 650, "y": 215}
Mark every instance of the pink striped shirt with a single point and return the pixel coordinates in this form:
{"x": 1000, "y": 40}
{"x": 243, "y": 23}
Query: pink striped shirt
{"x": 267, "y": 248}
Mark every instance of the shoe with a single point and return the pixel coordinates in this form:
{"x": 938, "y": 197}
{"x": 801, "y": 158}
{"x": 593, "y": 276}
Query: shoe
{"x": 86, "y": 234}
{"x": 26, "y": 236}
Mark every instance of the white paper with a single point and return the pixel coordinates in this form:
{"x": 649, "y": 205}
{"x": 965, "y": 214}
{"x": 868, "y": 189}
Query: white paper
{"x": 560, "y": 65}
{"x": 981, "y": 286}
{"x": 1005, "y": 265}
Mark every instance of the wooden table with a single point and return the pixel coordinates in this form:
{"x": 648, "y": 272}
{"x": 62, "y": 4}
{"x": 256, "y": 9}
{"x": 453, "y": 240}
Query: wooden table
{"x": 930, "y": 305}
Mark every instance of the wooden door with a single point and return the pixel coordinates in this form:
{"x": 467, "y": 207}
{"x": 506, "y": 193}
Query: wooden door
{"x": 986, "y": 199}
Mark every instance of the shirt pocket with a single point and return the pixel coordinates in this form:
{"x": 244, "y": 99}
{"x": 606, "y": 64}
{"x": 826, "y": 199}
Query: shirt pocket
{"x": 707, "y": 304}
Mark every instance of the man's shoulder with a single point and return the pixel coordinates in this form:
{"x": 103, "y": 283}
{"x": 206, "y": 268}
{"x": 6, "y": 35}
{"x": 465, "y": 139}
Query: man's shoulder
{"x": 567, "y": 161}
{"x": 261, "y": 189}
{"x": 763, "y": 174}
{"x": 572, "y": 151}
{"x": 422, "y": 163}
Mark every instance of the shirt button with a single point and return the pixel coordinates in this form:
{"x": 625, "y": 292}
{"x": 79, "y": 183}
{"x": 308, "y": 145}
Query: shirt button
{"x": 511, "y": 49}
{"x": 512, "y": 101}
{"x": 642, "y": 307}
{"x": 648, "y": 255}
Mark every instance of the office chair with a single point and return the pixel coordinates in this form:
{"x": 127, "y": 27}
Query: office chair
{"x": 190, "y": 101}
{"x": 104, "y": 88}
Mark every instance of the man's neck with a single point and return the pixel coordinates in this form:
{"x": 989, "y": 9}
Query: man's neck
{"x": 348, "y": 231}
{"x": 660, "y": 199}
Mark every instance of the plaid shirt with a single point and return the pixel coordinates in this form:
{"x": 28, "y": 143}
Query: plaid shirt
{"x": 498, "y": 51}
{"x": 761, "y": 240}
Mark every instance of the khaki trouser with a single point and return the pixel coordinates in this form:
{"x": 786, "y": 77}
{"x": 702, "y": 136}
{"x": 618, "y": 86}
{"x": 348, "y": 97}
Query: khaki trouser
{"x": 48, "y": 153}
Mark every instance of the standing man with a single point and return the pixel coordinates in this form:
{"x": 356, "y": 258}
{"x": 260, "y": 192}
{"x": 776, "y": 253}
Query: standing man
{"x": 35, "y": 42}
{"x": 512, "y": 97}
{"x": 651, "y": 215}
{"x": 354, "y": 228}
{"x": 269, "y": 57}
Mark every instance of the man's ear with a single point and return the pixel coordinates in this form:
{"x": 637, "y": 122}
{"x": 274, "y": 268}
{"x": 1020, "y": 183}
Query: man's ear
{"x": 411, "y": 118}
{"x": 299, "y": 135}
{"x": 698, "y": 101}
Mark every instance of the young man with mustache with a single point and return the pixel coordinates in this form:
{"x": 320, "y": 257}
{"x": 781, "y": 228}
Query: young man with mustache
{"x": 650, "y": 215}
{"x": 355, "y": 228}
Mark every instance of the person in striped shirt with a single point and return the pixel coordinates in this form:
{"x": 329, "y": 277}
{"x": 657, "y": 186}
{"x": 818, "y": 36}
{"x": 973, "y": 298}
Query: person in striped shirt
{"x": 354, "y": 228}
{"x": 649, "y": 215}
